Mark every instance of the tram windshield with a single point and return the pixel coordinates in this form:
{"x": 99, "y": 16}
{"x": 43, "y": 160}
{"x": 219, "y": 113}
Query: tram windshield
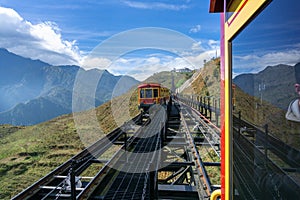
{"x": 148, "y": 93}
{"x": 266, "y": 114}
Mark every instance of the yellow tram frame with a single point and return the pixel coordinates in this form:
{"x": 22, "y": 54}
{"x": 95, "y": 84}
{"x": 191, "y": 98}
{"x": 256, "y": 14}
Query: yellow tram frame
{"x": 242, "y": 13}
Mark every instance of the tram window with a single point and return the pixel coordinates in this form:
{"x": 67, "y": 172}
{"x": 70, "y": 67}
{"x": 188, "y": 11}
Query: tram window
{"x": 155, "y": 92}
{"x": 148, "y": 93}
{"x": 142, "y": 95}
{"x": 266, "y": 117}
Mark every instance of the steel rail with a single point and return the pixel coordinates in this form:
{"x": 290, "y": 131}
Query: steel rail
{"x": 208, "y": 129}
{"x": 214, "y": 135}
{"x": 202, "y": 106}
{"x": 132, "y": 180}
{"x": 95, "y": 149}
{"x": 198, "y": 161}
{"x": 203, "y": 117}
{"x": 115, "y": 160}
{"x": 93, "y": 184}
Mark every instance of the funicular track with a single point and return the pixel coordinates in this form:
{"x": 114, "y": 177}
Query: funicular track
{"x": 128, "y": 172}
{"x": 161, "y": 159}
{"x": 60, "y": 183}
{"x": 133, "y": 172}
{"x": 189, "y": 140}
{"x": 264, "y": 166}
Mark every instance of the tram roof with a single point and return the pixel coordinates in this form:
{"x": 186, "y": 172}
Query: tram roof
{"x": 149, "y": 85}
{"x": 216, "y": 6}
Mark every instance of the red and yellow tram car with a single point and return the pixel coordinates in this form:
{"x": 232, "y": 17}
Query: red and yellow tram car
{"x": 152, "y": 93}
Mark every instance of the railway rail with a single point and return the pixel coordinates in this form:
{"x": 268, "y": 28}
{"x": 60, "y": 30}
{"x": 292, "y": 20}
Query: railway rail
{"x": 63, "y": 178}
{"x": 207, "y": 106}
{"x": 130, "y": 175}
{"x": 194, "y": 136}
{"x": 262, "y": 161}
{"x": 135, "y": 170}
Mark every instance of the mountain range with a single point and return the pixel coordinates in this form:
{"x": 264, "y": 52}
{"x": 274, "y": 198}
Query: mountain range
{"x": 205, "y": 82}
{"x": 33, "y": 91}
{"x": 274, "y": 84}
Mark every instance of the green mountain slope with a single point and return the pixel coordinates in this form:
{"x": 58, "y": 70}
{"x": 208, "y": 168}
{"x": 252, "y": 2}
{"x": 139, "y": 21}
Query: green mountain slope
{"x": 261, "y": 113}
{"x": 277, "y": 81}
{"x": 206, "y": 81}
{"x": 29, "y": 153}
{"x": 33, "y": 92}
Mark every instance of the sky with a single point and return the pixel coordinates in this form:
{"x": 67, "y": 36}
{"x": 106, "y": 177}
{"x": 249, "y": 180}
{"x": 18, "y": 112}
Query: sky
{"x": 270, "y": 39}
{"x": 129, "y": 37}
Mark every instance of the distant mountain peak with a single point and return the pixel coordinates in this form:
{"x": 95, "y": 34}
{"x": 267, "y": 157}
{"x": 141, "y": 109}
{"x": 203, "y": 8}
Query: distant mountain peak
{"x": 46, "y": 89}
{"x": 6, "y": 56}
{"x": 273, "y": 85}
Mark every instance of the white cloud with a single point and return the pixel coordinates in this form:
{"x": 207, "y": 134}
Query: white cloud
{"x": 95, "y": 62}
{"x": 213, "y": 44}
{"x": 197, "y": 46}
{"x": 198, "y": 60}
{"x": 153, "y": 60}
{"x": 37, "y": 41}
{"x": 44, "y": 41}
{"x": 155, "y": 5}
{"x": 254, "y": 63}
{"x": 195, "y": 29}
{"x": 141, "y": 67}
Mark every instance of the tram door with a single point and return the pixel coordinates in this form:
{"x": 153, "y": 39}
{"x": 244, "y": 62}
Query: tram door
{"x": 263, "y": 64}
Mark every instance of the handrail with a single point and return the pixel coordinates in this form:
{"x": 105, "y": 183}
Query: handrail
{"x": 216, "y": 194}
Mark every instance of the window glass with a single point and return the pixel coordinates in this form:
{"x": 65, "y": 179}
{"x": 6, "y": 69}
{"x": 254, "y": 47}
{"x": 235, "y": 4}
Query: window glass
{"x": 148, "y": 93}
{"x": 155, "y": 92}
{"x": 142, "y": 95}
{"x": 266, "y": 115}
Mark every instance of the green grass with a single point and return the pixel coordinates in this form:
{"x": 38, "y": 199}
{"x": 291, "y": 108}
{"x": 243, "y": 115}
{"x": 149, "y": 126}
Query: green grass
{"x": 207, "y": 82}
{"x": 29, "y": 153}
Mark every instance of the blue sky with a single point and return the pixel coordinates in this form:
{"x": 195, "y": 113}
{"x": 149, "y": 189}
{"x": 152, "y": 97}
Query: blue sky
{"x": 270, "y": 39}
{"x": 67, "y": 31}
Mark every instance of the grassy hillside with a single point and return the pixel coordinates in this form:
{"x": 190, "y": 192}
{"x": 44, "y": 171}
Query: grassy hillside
{"x": 165, "y": 78}
{"x": 261, "y": 113}
{"x": 29, "y": 153}
{"x": 207, "y": 81}
{"x": 277, "y": 81}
